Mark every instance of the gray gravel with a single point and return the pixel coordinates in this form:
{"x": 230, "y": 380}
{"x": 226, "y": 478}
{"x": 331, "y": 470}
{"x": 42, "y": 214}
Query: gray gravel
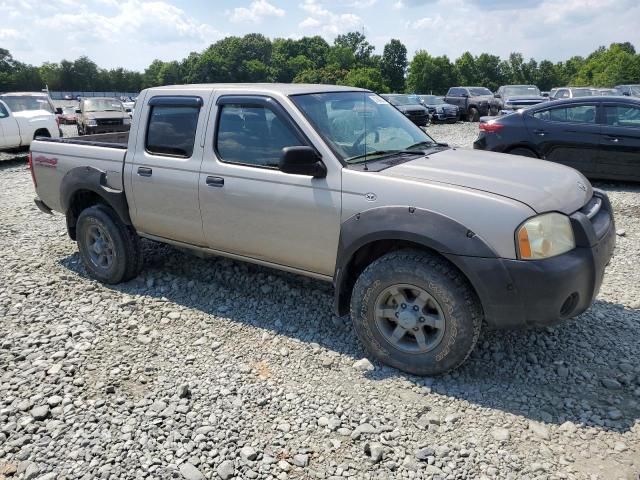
{"x": 193, "y": 371}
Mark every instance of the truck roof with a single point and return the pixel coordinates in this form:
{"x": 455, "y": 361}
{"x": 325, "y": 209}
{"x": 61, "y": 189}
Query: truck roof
{"x": 283, "y": 88}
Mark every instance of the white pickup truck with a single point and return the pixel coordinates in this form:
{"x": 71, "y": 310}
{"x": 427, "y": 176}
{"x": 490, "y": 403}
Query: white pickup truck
{"x": 25, "y": 116}
{"x": 423, "y": 242}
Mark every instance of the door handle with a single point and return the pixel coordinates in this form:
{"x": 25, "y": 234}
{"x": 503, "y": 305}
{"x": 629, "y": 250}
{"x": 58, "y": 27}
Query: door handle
{"x": 612, "y": 139}
{"x": 144, "y": 171}
{"x": 540, "y": 133}
{"x": 215, "y": 181}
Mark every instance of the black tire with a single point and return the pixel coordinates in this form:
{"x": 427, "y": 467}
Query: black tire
{"x": 459, "y": 307}
{"x": 473, "y": 115}
{"x": 125, "y": 245}
{"x": 525, "y": 152}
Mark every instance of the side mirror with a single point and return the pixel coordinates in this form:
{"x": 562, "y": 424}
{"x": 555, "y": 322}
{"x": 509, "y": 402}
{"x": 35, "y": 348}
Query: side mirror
{"x": 58, "y": 111}
{"x": 545, "y": 94}
{"x": 626, "y": 94}
{"x": 497, "y": 95}
{"x": 78, "y": 110}
{"x": 465, "y": 95}
{"x": 302, "y": 160}
{"x": 128, "y": 110}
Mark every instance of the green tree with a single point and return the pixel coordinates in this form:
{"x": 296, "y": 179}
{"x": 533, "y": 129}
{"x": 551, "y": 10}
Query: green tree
{"x": 428, "y": 74}
{"x": 358, "y": 44}
{"x": 366, "y": 77}
{"x": 467, "y": 70}
{"x": 393, "y": 65}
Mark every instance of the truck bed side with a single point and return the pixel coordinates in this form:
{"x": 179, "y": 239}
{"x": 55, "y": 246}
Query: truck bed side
{"x": 62, "y": 164}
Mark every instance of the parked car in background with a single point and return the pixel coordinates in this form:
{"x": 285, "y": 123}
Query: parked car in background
{"x": 628, "y": 90}
{"x": 472, "y": 102}
{"x": 129, "y": 106}
{"x": 606, "y": 92}
{"x": 19, "y": 128}
{"x": 102, "y": 115}
{"x": 410, "y": 106}
{"x": 68, "y": 115}
{"x": 570, "y": 92}
{"x": 600, "y": 136}
{"x": 439, "y": 110}
{"x": 68, "y": 97}
{"x": 424, "y": 244}
{"x": 515, "y": 97}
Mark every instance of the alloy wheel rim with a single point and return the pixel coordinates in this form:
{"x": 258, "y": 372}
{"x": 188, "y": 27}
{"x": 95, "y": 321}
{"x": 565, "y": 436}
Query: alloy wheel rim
{"x": 409, "y": 318}
{"x": 100, "y": 247}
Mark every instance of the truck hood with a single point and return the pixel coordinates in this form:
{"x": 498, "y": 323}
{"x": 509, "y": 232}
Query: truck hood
{"x": 543, "y": 186}
{"x": 33, "y": 114}
{"x": 517, "y": 98}
{"x": 103, "y": 115}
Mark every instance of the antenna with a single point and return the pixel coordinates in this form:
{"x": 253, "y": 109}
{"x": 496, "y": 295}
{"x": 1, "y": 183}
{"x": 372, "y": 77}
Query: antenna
{"x": 364, "y": 115}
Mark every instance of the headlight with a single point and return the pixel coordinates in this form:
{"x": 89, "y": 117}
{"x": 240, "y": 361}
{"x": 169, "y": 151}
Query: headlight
{"x": 544, "y": 236}
{"x": 92, "y": 123}
{"x": 126, "y": 121}
{"x": 439, "y": 109}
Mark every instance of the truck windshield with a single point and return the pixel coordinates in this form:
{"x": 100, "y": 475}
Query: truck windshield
{"x": 432, "y": 100}
{"x": 103, "y": 105}
{"x": 359, "y": 126}
{"x": 403, "y": 99}
{"x": 521, "y": 90}
{"x": 478, "y": 91}
{"x": 23, "y": 103}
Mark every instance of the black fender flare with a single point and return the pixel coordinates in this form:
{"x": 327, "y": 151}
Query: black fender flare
{"x": 93, "y": 180}
{"x": 423, "y": 227}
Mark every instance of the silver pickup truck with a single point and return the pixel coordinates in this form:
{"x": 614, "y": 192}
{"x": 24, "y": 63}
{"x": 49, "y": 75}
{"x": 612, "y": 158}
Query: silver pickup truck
{"x": 424, "y": 243}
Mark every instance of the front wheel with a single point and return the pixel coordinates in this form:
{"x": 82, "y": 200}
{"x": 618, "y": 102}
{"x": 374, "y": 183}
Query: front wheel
{"x": 415, "y": 311}
{"x": 110, "y": 250}
{"x": 473, "y": 115}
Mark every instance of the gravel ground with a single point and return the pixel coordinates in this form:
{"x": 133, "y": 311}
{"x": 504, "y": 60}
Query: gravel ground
{"x": 218, "y": 369}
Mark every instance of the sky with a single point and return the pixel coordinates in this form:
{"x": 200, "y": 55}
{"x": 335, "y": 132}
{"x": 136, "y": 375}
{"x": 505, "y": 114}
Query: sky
{"x": 132, "y": 33}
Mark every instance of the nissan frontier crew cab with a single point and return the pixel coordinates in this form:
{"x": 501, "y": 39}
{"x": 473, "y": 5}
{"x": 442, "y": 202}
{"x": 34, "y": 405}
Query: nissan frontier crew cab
{"x": 424, "y": 243}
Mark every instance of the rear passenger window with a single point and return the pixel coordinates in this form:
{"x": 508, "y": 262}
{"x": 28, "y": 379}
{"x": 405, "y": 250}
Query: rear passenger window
{"x": 622, "y": 116}
{"x": 252, "y": 135}
{"x": 172, "y": 130}
{"x": 577, "y": 114}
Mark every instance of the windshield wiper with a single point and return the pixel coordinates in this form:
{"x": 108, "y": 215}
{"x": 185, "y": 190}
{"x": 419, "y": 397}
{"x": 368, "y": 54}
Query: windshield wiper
{"x": 421, "y": 144}
{"x": 382, "y": 153}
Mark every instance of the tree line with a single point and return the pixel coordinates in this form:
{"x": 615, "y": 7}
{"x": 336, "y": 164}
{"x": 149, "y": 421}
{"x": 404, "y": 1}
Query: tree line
{"x": 349, "y": 60}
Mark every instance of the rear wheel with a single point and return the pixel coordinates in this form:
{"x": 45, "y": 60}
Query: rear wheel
{"x": 415, "y": 311}
{"x": 110, "y": 250}
{"x": 473, "y": 115}
{"x": 525, "y": 152}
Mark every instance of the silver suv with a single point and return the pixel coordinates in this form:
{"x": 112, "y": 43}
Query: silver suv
{"x": 424, "y": 243}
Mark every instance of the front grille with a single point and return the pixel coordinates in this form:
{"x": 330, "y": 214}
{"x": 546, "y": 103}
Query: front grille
{"x": 108, "y": 122}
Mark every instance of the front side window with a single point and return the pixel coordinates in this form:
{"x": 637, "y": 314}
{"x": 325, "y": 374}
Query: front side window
{"x": 574, "y": 114}
{"x": 172, "y": 130}
{"x": 3, "y": 112}
{"x": 622, "y": 116}
{"x": 252, "y": 135}
{"x": 360, "y": 125}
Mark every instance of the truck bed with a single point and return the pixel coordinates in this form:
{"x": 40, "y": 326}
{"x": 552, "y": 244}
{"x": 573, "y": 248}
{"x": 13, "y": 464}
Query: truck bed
{"x": 53, "y": 159}
{"x": 109, "y": 140}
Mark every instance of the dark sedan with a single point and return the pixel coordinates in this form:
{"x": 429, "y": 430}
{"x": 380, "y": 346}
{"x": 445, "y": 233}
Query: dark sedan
{"x": 410, "y": 106}
{"x": 600, "y": 136}
{"x": 439, "y": 110}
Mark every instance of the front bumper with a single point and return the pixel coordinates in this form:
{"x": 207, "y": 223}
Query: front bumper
{"x": 445, "y": 116}
{"x": 107, "y": 129}
{"x": 521, "y": 293}
{"x": 420, "y": 120}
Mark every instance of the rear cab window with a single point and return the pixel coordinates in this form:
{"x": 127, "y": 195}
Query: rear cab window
{"x": 172, "y": 126}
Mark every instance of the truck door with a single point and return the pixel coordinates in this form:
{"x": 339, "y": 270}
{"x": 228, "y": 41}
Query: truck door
{"x": 9, "y": 130}
{"x": 252, "y": 209}
{"x": 165, "y": 166}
